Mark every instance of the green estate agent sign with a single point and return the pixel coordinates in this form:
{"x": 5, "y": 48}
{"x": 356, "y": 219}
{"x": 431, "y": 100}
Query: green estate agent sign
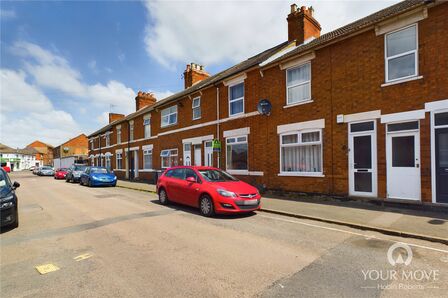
{"x": 216, "y": 145}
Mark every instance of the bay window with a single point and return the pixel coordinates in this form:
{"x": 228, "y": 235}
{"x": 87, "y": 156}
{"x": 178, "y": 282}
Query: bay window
{"x": 147, "y": 159}
{"x": 169, "y": 158}
{"x": 236, "y": 153}
{"x": 301, "y": 152}
{"x": 401, "y": 54}
{"x": 169, "y": 116}
{"x": 236, "y": 99}
{"x": 298, "y": 84}
{"x": 108, "y": 164}
{"x": 196, "y": 105}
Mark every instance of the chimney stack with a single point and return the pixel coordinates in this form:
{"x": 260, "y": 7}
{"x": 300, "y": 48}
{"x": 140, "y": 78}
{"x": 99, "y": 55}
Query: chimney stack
{"x": 144, "y": 99}
{"x": 302, "y": 25}
{"x": 113, "y": 117}
{"x": 194, "y": 73}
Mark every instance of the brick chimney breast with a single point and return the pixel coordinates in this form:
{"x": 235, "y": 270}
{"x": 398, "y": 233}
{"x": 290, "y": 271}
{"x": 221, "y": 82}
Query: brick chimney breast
{"x": 114, "y": 116}
{"x": 193, "y": 74}
{"x": 302, "y": 25}
{"x": 144, "y": 99}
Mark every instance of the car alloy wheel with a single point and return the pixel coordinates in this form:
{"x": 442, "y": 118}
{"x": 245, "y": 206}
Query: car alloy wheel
{"x": 163, "y": 198}
{"x": 206, "y": 206}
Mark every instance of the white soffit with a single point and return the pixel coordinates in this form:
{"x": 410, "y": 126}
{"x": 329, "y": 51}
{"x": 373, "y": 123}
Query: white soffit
{"x": 362, "y": 116}
{"x": 314, "y": 124}
{"x": 236, "y": 132}
{"x": 235, "y": 80}
{"x": 401, "y": 21}
{"x": 298, "y": 61}
{"x": 403, "y": 116}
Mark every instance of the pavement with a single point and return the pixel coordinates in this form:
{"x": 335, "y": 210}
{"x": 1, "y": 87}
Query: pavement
{"x": 430, "y": 225}
{"x": 76, "y": 241}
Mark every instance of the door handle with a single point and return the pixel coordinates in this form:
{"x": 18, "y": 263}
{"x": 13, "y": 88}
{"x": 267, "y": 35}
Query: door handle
{"x": 417, "y": 166}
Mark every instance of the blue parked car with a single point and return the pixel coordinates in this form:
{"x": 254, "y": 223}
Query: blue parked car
{"x": 98, "y": 176}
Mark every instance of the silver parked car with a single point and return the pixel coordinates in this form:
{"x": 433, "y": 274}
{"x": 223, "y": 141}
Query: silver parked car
{"x": 46, "y": 171}
{"x": 74, "y": 173}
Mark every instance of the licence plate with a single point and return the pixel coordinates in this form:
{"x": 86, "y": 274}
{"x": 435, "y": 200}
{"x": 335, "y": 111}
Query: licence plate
{"x": 250, "y": 202}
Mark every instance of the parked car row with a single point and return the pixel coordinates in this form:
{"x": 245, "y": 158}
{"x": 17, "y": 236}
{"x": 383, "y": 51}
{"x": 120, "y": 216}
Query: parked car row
{"x": 82, "y": 174}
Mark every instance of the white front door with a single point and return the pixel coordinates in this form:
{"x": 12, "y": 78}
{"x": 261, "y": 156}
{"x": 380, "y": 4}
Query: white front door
{"x": 362, "y": 159}
{"x": 403, "y": 161}
{"x": 197, "y": 155}
{"x": 187, "y": 154}
{"x": 208, "y": 154}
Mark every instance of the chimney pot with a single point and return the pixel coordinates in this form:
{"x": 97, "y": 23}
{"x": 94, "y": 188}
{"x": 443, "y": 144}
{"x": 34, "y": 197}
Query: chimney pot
{"x": 302, "y": 25}
{"x": 194, "y": 73}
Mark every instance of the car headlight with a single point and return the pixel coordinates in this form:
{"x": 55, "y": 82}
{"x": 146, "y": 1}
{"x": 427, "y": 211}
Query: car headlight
{"x": 115, "y": 177}
{"x": 226, "y": 193}
{"x": 7, "y": 202}
{"x": 94, "y": 178}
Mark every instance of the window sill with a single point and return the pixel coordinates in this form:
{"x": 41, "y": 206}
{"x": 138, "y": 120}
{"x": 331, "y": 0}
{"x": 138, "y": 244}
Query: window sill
{"x": 236, "y": 115}
{"x": 401, "y": 81}
{"x": 147, "y": 170}
{"x": 169, "y": 125}
{"x": 196, "y": 119}
{"x": 298, "y": 103}
{"x": 245, "y": 173}
{"x": 119, "y": 170}
{"x": 301, "y": 174}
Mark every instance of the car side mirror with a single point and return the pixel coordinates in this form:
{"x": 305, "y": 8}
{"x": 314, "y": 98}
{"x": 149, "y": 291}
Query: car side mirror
{"x": 191, "y": 179}
{"x": 15, "y": 184}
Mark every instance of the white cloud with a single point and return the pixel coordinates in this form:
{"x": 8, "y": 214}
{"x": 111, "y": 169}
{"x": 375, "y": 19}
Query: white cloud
{"x": 114, "y": 93}
{"x": 212, "y": 32}
{"x": 6, "y": 14}
{"x": 27, "y": 113}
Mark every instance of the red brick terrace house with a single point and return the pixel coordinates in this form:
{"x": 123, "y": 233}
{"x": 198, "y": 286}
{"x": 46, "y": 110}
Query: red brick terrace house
{"x": 361, "y": 111}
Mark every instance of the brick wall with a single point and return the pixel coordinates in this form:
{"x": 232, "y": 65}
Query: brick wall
{"x": 346, "y": 79}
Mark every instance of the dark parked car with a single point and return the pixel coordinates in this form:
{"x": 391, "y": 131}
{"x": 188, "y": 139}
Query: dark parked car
{"x": 9, "y": 215}
{"x": 98, "y": 176}
{"x": 74, "y": 173}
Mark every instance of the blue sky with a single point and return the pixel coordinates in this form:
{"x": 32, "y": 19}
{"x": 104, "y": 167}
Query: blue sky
{"x": 64, "y": 63}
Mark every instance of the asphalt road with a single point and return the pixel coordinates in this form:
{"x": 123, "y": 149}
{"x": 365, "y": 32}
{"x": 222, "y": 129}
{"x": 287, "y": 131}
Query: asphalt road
{"x": 118, "y": 242}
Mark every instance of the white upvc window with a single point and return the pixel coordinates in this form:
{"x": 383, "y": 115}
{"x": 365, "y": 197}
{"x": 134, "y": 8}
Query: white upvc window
{"x": 298, "y": 84}
{"x": 107, "y": 139}
{"x": 168, "y": 116}
{"x": 237, "y": 153}
{"x": 108, "y": 164}
{"x": 131, "y": 130}
{"x": 147, "y": 126}
{"x": 147, "y": 159}
{"x": 118, "y": 135}
{"x": 196, "y": 106}
{"x": 169, "y": 158}
{"x": 301, "y": 152}
{"x": 119, "y": 157}
{"x": 401, "y": 53}
{"x": 236, "y": 99}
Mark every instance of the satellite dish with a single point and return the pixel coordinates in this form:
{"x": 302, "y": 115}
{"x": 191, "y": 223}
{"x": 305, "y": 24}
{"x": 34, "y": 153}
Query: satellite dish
{"x": 264, "y": 107}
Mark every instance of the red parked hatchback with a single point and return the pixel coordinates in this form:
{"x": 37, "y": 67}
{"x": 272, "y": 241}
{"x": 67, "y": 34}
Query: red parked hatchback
{"x": 60, "y": 173}
{"x": 210, "y": 189}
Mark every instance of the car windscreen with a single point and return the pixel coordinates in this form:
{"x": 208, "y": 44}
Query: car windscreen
{"x": 63, "y": 170}
{"x": 216, "y": 176}
{"x": 4, "y": 181}
{"x": 79, "y": 168}
{"x": 99, "y": 171}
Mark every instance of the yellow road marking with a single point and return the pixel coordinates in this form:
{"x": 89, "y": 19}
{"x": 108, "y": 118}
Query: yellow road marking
{"x": 46, "y": 268}
{"x": 82, "y": 257}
